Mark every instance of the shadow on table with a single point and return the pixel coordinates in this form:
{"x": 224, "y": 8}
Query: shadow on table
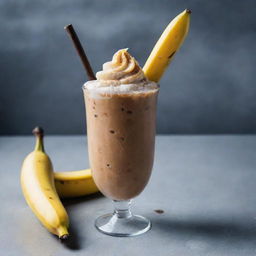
{"x": 212, "y": 229}
{"x": 74, "y": 241}
{"x": 73, "y": 201}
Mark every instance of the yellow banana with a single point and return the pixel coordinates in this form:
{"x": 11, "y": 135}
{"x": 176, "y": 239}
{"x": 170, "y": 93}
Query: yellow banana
{"x": 38, "y": 188}
{"x": 166, "y": 47}
{"x": 74, "y": 183}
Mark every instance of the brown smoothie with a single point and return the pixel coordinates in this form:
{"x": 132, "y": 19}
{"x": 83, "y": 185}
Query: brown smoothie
{"x": 121, "y": 138}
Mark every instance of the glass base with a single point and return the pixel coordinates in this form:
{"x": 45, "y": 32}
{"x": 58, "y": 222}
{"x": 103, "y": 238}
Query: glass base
{"x": 112, "y": 225}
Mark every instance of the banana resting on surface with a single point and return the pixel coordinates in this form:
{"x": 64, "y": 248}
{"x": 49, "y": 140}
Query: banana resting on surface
{"x": 42, "y": 188}
{"x": 74, "y": 183}
{"x": 37, "y": 182}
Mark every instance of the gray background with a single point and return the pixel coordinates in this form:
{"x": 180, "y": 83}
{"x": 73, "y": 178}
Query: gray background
{"x": 209, "y": 87}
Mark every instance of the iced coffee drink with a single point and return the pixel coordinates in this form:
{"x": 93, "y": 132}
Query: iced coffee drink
{"x": 121, "y": 117}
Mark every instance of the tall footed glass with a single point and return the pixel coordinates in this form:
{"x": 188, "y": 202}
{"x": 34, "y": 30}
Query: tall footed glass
{"x": 121, "y": 140}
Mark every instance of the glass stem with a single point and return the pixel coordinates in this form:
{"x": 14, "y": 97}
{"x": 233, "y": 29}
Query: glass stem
{"x": 122, "y": 208}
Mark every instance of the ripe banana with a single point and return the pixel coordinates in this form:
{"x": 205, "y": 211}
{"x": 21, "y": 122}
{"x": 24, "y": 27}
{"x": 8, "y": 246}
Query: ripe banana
{"x": 38, "y": 188}
{"x": 74, "y": 183}
{"x": 166, "y": 47}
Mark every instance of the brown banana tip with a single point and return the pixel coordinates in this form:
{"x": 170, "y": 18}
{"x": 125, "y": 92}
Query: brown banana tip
{"x": 188, "y": 11}
{"x": 64, "y": 237}
{"x": 38, "y": 131}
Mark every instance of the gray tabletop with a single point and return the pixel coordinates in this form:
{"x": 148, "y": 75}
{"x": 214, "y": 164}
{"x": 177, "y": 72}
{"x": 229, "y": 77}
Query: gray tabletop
{"x": 204, "y": 184}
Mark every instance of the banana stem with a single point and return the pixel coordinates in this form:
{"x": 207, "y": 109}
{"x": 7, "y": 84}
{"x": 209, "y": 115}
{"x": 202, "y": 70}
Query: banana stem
{"x": 39, "y": 133}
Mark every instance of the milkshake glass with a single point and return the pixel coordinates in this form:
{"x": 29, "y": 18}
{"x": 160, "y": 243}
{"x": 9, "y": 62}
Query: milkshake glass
{"x": 121, "y": 117}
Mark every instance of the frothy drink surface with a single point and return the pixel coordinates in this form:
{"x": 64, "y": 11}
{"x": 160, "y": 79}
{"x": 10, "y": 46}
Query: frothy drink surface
{"x": 121, "y": 128}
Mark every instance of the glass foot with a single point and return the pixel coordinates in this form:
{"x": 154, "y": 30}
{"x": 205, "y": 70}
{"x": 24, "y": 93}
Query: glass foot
{"x": 114, "y": 225}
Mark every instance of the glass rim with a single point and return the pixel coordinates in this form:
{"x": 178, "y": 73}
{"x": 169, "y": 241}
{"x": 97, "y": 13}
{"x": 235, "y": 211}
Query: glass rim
{"x": 84, "y": 88}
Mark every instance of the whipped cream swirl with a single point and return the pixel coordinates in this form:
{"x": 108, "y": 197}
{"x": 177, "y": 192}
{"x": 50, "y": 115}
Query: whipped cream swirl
{"x": 123, "y": 69}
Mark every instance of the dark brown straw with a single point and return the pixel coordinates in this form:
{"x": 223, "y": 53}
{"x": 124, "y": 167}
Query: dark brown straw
{"x": 71, "y": 32}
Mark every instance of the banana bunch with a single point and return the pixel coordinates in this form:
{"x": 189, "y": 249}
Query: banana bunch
{"x": 42, "y": 187}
